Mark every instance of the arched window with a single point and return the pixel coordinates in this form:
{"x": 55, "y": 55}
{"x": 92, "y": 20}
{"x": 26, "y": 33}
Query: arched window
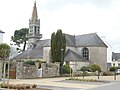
{"x": 85, "y": 53}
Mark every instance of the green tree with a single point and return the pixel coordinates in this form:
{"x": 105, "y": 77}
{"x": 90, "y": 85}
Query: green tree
{"x": 95, "y": 67}
{"x": 19, "y": 38}
{"x": 4, "y": 51}
{"x": 58, "y": 46}
{"x": 53, "y": 48}
{"x": 85, "y": 68}
{"x": 4, "y": 54}
{"x": 114, "y": 68}
{"x": 66, "y": 69}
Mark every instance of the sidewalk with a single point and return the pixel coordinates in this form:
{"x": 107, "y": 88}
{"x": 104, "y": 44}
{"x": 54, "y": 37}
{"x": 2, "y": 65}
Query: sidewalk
{"x": 51, "y": 82}
{"x": 56, "y": 82}
{"x": 103, "y": 78}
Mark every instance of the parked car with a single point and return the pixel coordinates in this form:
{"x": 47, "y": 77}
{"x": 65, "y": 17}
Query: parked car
{"x": 118, "y": 71}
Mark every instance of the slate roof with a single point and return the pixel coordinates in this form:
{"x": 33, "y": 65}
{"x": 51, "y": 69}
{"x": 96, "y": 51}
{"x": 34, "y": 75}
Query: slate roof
{"x": 89, "y": 40}
{"x": 70, "y": 40}
{"x": 1, "y": 31}
{"x": 116, "y": 56}
{"x": 72, "y": 56}
{"x": 34, "y": 53}
{"x": 86, "y": 40}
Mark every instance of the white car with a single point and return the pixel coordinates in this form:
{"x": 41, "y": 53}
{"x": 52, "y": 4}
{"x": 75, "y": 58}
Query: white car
{"x": 118, "y": 71}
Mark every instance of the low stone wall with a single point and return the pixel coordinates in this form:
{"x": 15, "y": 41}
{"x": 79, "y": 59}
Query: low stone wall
{"x": 50, "y": 69}
{"x": 25, "y": 71}
{"x": 30, "y": 71}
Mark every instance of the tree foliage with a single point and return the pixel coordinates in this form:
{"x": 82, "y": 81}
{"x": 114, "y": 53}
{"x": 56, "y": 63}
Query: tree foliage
{"x": 53, "y": 48}
{"x": 112, "y": 69}
{"x": 19, "y": 37}
{"x": 95, "y": 67}
{"x": 4, "y": 51}
{"x": 85, "y": 68}
{"x": 58, "y": 46}
{"x": 66, "y": 69}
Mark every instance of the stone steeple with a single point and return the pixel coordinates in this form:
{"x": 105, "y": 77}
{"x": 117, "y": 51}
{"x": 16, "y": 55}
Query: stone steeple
{"x": 34, "y": 28}
{"x": 34, "y": 13}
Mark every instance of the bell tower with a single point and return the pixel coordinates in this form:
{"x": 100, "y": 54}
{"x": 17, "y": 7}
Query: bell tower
{"x": 34, "y": 28}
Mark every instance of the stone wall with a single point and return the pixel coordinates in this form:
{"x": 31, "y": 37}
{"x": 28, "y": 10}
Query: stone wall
{"x": 77, "y": 65}
{"x": 25, "y": 71}
{"x": 30, "y": 71}
{"x": 50, "y": 69}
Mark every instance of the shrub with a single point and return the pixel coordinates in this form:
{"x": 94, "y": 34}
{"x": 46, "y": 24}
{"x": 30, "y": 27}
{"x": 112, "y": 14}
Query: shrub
{"x": 85, "y": 80}
{"x": 29, "y": 62}
{"x": 107, "y": 73}
{"x": 95, "y": 67}
{"x": 112, "y": 69}
{"x": 85, "y": 68}
{"x": 66, "y": 69}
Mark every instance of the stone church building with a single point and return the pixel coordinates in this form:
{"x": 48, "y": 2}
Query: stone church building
{"x": 81, "y": 50}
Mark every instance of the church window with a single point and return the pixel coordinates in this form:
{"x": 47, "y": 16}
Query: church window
{"x": 38, "y": 31}
{"x": 35, "y": 29}
{"x": 85, "y": 53}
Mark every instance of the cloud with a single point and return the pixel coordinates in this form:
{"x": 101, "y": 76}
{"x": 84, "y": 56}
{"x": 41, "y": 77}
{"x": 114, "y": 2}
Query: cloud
{"x": 72, "y": 16}
{"x": 80, "y": 19}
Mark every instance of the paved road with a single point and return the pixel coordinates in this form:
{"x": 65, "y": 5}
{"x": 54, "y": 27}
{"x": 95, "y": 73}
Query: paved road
{"x": 110, "y": 86}
{"x": 72, "y": 82}
{"x": 58, "y": 88}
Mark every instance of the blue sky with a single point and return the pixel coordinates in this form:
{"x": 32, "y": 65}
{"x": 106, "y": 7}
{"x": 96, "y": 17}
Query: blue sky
{"x": 72, "y": 16}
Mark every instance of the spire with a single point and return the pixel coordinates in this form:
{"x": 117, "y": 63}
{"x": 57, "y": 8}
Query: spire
{"x": 34, "y": 13}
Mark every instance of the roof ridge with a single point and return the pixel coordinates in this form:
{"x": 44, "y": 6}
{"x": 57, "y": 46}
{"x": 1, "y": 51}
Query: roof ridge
{"x": 68, "y": 34}
{"x": 101, "y": 40}
{"x": 85, "y": 34}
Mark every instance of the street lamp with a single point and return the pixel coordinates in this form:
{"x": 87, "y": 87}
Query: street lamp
{"x": 61, "y": 60}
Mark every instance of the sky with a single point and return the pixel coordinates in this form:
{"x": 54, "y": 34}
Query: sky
{"x": 74, "y": 17}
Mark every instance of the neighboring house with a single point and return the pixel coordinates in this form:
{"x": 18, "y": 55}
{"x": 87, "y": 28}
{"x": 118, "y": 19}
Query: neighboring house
{"x": 116, "y": 59}
{"x": 81, "y": 50}
{"x": 1, "y": 36}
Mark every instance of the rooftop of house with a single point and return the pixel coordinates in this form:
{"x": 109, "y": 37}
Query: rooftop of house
{"x": 115, "y": 56}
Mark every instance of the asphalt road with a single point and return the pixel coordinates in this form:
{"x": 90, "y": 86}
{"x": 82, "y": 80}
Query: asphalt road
{"x": 70, "y": 81}
{"x": 58, "y": 88}
{"x": 110, "y": 86}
